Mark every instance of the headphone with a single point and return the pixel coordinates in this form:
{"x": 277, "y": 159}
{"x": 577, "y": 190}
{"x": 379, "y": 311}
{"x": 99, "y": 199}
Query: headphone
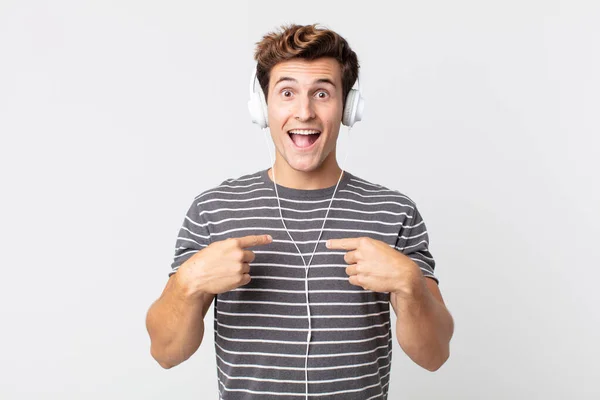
{"x": 257, "y": 105}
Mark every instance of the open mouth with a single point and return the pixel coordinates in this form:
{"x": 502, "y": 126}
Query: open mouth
{"x": 304, "y": 138}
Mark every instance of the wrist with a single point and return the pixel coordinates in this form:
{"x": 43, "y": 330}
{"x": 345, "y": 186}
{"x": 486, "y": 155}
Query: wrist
{"x": 413, "y": 286}
{"x": 187, "y": 289}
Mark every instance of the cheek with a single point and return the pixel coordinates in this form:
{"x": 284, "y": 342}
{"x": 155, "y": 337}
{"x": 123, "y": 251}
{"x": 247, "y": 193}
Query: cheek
{"x": 333, "y": 114}
{"x": 280, "y": 114}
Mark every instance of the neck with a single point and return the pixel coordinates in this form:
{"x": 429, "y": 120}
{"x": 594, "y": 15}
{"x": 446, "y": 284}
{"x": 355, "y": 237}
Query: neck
{"x": 326, "y": 175}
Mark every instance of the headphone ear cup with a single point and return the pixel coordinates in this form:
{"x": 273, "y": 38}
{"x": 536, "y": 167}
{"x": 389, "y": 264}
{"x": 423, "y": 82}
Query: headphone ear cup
{"x": 263, "y": 108}
{"x": 258, "y": 110}
{"x": 257, "y": 105}
{"x": 353, "y": 109}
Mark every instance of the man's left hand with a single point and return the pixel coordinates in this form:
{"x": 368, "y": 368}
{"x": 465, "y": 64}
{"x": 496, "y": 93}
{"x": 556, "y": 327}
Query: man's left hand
{"x": 376, "y": 266}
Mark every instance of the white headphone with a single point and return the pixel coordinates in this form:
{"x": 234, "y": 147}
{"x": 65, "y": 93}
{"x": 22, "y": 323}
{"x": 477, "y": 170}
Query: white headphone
{"x": 257, "y": 105}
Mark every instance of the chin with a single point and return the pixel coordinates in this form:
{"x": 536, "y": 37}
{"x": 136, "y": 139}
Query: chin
{"x": 303, "y": 166}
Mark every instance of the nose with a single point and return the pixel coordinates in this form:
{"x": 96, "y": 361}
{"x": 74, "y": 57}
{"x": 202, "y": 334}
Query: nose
{"x": 304, "y": 110}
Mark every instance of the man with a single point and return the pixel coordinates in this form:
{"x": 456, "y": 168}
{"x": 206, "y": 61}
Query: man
{"x": 307, "y": 309}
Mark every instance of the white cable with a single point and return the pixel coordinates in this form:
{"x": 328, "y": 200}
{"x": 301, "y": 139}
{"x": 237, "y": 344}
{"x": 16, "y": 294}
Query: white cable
{"x": 308, "y": 336}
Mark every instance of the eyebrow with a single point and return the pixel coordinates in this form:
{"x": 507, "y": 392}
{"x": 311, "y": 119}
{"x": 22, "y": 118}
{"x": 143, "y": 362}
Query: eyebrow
{"x": 290, "y": 79}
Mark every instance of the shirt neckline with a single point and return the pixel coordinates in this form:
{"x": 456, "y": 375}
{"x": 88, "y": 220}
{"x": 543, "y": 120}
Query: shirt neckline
{"x": 291, "y": 193}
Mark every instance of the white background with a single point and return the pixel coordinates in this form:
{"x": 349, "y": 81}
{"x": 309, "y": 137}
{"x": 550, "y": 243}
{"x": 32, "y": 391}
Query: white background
{"x": 115, "y": 114}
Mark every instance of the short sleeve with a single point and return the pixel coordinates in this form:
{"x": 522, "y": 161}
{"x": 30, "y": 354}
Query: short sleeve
{"x": 413, "y": 241}
{"x": 193, "y": 236}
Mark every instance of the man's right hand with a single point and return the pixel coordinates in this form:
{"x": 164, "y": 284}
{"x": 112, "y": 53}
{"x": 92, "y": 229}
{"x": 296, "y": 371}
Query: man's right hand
{"x": 220, "y": 267}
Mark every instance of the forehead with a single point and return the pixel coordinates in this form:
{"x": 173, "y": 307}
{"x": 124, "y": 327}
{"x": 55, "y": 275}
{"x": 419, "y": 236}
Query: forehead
{"x": 306, "y": 71}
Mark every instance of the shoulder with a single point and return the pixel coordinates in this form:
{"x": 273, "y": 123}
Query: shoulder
{"x": 240, "y": 185}
{"x": 250, "y": 180}
{"x": 371, "y": 189}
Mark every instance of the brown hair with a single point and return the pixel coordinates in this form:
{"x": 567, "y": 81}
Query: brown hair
{"x": 308, "y": 42}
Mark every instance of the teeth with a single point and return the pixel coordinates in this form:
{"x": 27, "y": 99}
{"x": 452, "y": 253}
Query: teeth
{"x": 304, "y": 132}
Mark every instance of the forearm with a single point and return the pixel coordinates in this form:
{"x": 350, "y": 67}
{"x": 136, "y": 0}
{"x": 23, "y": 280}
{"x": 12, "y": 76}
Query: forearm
{"x": 424, "y": 327}
{"x": 175, "y": 323}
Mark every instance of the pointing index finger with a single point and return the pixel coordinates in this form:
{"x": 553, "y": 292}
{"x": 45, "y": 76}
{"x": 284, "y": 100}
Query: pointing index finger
{"x": 345, "y": 244}
{"x": 254, "y": 240}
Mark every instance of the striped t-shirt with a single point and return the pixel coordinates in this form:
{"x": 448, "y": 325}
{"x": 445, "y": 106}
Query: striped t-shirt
{"x": 260, "y": 329}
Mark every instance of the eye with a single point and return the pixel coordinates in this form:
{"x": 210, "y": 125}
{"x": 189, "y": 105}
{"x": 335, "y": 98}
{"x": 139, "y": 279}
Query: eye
{"x": 322, "y": 94}
{"x": 286, "y": 93}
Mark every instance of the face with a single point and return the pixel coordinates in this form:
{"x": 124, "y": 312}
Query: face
{"x": 305, "y": 97}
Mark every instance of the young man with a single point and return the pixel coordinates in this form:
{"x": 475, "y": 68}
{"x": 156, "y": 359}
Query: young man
{"x": 302, "y": 259}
